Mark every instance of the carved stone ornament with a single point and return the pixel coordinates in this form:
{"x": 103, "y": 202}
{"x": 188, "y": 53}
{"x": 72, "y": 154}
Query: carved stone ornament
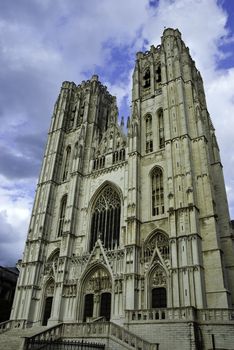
{"x": 158, "y": 278}
{"x": 99, "y": 281}
{"x": 50, "y": 289}
{"x": 159, "y": 240}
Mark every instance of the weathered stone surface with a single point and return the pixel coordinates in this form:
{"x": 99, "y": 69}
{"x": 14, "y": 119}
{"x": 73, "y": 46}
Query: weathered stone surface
{"x": 132, "y": 222}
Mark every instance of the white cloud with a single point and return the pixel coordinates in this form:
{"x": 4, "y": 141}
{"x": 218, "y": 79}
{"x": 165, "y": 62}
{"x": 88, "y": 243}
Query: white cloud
{"x": 43, "y": 44}
{"x": 25, "y": 50}
{"x": 203, "y": 27}
{"x": 15, "y": 209}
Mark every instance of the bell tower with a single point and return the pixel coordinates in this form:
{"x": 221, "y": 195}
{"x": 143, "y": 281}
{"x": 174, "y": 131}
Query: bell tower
{"x": 176, "y": 136}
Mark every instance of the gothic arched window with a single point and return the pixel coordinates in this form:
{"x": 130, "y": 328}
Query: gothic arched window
{"x": 62, "y": 215}
{"x": 148, "y": 134}
{"x": 66, "y": 163}
{"x": 76, "y": 150}
{"x": 161, "y": 129}
{"x": 157, "y": 192}
{"x": 158, "y": 74}
{"x": 159, "y": 240}
{"x": 148, "y": 123}
{"x": 105, "y": 222}
{"x": 146, "y": 78}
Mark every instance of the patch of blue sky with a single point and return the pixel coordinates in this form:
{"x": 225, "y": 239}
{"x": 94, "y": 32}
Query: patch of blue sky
{"x": 119, "y": 62}
{"x": 153, "y": 3}
{"x": 115, "y": 68}
{"x": 227, "y": 44}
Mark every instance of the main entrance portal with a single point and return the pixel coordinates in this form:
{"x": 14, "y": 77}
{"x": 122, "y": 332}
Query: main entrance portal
{"x": 97, "y": 295}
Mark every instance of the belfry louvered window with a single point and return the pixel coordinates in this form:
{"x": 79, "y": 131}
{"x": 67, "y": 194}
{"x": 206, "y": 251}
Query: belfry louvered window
{"x": 157, "y": 192}
{"x": 105, "y": 218}
{"x": 146, "y": 78}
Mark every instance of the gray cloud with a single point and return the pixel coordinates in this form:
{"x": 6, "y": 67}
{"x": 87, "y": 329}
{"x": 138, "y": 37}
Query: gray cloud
{"x": 42, "y": 44}
{"x": 11, "y": 245}
{"x": 18, "y": 166}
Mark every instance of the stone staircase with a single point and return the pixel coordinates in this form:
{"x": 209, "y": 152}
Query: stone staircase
{"x": 108, "y": 333}
{"x": 12, "y": 339}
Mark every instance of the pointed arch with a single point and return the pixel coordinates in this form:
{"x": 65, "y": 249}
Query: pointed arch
{"x": 105, "y": 218}
{"x": 158, "y": 76}
{"x": 157, "y": 190}
{"x": 49, "y": 287}
{"x": 146, "y": 78}
{"x": 53, "y": 255}
{"x": 96, "y": 291}
{"x": 148, "y": 123}
{"x": 157, "y": 239}
{"x": 161, "y": 135}
{"x": 66, "y": 163}
{"x": 148, "y": 133}
{"x": 158, "y": 287}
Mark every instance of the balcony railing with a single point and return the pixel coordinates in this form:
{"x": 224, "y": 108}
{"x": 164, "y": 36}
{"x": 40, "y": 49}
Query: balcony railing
{"x": 179, "y": 314}
{"x": 62, "y": 334}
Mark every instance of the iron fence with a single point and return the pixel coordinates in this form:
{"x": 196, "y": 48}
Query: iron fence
{"x": 34, "y": 344}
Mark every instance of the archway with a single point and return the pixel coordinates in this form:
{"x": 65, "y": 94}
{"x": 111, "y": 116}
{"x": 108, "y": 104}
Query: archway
{"x": 158, "y": 287}
{"x": 49, "y": 292}
{"x": 97, "y": 295}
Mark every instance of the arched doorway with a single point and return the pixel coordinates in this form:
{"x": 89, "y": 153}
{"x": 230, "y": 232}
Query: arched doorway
{"x": 158, "y": 288}
{"x": 49, "y": 292}
{"x": 97, "y": 295}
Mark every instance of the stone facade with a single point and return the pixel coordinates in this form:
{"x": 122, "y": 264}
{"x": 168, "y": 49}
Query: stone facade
{"x": 128, "y": 224}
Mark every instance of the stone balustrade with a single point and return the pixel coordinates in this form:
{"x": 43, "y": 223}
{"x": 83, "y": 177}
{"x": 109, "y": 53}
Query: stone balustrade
{"x": 130, "y": 338}
{"x": 106, "y": 329}
{"x": 52, "y": 333}
{"x": 10, "y": 324}
{"x": 179, "y": 314}
{"x": 4, "y": 326}
{"x": 97, "y": 329}
{"x": 160, "y": 314}
{"x": 83, "y": 330}
{"x": 217, "y": 315}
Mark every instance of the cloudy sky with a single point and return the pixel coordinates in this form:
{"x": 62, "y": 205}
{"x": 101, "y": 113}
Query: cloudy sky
{"x": 44, "y": 42}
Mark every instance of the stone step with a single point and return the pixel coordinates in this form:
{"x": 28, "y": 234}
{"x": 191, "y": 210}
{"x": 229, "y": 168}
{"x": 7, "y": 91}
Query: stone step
{"x": 12, "y": 339}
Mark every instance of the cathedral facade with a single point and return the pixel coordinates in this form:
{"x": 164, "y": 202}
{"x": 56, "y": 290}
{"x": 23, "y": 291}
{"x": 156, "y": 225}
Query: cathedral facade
{"x": 131, "y": 224}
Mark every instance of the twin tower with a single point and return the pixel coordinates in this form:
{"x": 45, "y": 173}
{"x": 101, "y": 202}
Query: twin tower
{"x": 132, "y": 226}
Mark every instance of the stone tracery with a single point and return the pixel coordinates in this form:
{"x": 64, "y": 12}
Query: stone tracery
{"x": 106, "y": 219}
{"x": 159, "y": 240}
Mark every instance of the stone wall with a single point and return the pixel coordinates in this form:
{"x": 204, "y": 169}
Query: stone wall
{"x": 187, "y": 335}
